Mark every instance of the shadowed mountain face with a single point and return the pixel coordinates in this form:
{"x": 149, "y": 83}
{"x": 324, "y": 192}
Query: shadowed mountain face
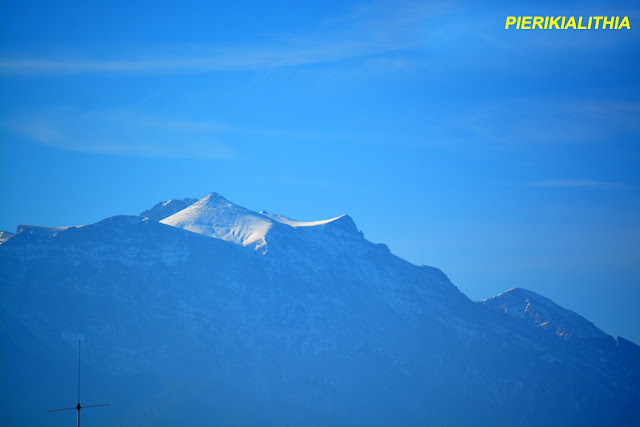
{"x": 220, "y": 315}
{"x": 164, "y": 209}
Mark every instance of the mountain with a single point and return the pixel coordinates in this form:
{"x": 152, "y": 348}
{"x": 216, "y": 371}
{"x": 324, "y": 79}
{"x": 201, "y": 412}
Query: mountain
{"x": 218, "y": 314}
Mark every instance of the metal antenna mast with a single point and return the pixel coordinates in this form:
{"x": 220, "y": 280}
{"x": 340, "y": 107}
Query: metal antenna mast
{"x": 78, "y": 407}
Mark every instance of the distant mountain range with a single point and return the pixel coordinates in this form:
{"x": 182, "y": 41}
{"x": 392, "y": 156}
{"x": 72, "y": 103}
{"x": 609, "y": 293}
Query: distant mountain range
{"x": 202, "y": 312}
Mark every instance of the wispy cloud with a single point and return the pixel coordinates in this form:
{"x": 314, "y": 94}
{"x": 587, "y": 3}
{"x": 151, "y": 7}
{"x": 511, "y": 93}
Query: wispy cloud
{"x": 122, "y": 132}
{"x": 577, "y": 183}
{"x": 242, "y": 58}
{"x": 138, "y": 133}
{"x": 456, "y": 35}
{"x": 375, "y": 30}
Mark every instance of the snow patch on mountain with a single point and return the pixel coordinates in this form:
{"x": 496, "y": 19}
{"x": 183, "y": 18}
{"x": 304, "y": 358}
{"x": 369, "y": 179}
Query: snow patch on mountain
{"x": 216, "y": 217}
{"x": 38, "y": 229}
{"x": 293, "y": 223}
{"x": 541, "y": 312}
{"x": 5, "y": 235}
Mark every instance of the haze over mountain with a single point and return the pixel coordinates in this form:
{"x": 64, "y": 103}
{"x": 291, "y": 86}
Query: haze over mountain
{"x": 215, "y": 314}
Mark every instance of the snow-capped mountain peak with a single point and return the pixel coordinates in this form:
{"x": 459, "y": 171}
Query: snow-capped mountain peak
{"x": 217, "y": 217}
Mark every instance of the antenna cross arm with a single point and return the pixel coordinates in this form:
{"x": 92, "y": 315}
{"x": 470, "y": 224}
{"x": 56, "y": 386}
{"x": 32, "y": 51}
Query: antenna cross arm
{"x": 62, "y": 409}
{"x": 99, "y": 404}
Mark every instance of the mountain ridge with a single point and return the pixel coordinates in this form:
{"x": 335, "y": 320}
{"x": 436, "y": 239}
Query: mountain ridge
{"x": 542, "y": 312}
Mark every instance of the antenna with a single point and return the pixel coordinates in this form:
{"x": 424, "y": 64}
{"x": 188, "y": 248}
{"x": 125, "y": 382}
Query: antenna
{"x": 78, "y": 407}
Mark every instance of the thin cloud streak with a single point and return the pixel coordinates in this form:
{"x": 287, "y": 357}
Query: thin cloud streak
{"x": 137, "y": 133}
{"x": 251, "y": 59}
{"x": 577, "y": 184}
{"x": 120, "y": 132}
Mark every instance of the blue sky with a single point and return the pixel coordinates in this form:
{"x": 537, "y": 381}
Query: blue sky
{"x": 505, "y": 158}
